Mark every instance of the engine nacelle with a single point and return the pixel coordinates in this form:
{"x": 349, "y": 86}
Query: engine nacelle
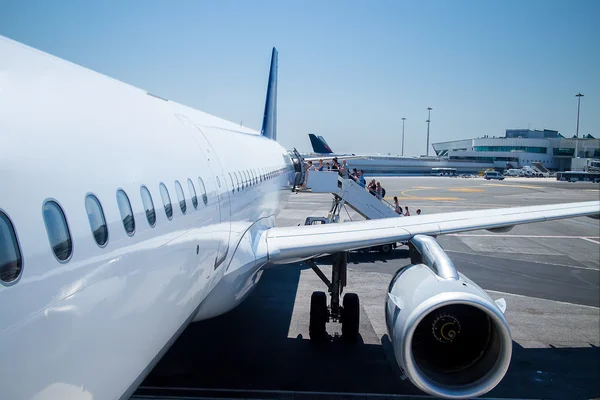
{"x": 448, "y": 335}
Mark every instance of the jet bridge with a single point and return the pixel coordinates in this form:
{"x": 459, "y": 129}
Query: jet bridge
{"x": 348, "y": 192}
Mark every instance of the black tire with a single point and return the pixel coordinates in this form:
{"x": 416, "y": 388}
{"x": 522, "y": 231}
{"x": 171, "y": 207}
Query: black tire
{"x": 350, "y": 316}
{"x": 318, "y": 315}
{"x": 386, "y": 248}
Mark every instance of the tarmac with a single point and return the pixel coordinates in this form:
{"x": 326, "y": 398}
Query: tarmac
{"x": 548, "y": 273}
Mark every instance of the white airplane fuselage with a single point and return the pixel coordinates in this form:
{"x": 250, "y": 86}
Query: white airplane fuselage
{"x": 91, "y": 327}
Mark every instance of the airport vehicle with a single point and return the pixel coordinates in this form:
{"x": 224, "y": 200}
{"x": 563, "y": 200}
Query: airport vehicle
{"x": 124, "y": 217}
{"x": 512, "y": 172}
{"x": 493, "y": 175}
{"x": 534, "y": 171}
{"x": 443, "y": 171}
{"x": 576, "y": 176}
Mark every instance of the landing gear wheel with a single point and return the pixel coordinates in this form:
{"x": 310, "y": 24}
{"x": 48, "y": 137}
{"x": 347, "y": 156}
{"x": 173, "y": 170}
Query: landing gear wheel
{"x": 318, "y": 315}
{"x": 350, "y": 316}
{"x": 386, "y": 248}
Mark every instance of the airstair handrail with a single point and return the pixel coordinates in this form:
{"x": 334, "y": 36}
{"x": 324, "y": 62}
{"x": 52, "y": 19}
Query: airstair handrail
{"x": 382, "y": 200}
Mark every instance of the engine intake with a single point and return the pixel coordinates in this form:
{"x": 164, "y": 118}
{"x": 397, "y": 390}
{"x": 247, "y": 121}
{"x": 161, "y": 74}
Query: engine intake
{"x": 449, "y": 336}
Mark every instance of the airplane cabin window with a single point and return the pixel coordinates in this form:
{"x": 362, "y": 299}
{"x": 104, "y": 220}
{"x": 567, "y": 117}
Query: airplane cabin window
{"x": 11, "y": 261}
{"x": 164, "y": 193}
{"x": 193, "y": 193}
{"x": 126, "y": 212}
{"x": 241, "y": 179}
{"x": 232, "y": 184}
{"x": 58, "y": 230}
{"x": 237, "y": 181}
{"x": 203, "y": 191}
{"x": 96, "y": 218}
{"x": 180, "y": 197}
{"x": 148, "y": 206}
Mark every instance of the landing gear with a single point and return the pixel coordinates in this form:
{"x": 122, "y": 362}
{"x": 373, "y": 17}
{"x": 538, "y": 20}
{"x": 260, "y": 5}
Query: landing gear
{"x": 386, "y": 248}
{"x": 347, "y": 313}
{"x": 350, "y": 316}
{"x": 319, "y": 314}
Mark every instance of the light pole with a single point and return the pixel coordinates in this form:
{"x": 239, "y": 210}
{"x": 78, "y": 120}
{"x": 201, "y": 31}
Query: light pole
{"x": 428, "y": 122}
{"x": 403, "y": 119}
{"x": 579, "y": 96}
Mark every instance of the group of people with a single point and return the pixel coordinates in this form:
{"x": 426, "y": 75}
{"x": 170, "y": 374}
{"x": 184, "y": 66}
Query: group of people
{"x": 342, "y": 168}
{"x": 374, "y": 187}
{"x": 405, "y": 212}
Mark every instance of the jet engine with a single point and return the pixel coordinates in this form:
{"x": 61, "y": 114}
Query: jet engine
{"x": 449, "y": 337}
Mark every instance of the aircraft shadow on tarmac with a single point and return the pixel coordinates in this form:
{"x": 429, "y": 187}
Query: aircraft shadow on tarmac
{"x": 364, "y": 257}
{"x": 249, "y": 349}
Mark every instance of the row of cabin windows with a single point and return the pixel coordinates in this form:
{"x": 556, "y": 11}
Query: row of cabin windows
{"x": 57, "y": 228}
{"x": 59, "y": 236}
{"x": 243, "y": 179}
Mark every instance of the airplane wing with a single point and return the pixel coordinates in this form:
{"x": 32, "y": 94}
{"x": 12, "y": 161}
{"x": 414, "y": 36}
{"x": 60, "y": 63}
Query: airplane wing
{"x": 291, "y": 244}
{"x": 330, "y": 157}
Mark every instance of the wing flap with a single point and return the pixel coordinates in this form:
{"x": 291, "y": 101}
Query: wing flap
{"x": 292, "y": 244}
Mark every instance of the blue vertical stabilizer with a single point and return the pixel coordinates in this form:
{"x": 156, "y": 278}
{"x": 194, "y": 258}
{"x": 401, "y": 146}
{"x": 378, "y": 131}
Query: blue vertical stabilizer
{"x": 269, "y": 126}
{"x": 319, "y": 145}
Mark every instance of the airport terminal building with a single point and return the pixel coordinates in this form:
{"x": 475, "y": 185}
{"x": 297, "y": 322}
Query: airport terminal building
{"x": 521, "y": 147}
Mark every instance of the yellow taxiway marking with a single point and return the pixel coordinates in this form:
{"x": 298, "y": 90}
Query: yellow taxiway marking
{"x": 405, "y": 196}
{"x": 466, "y": 190}
{"x": 424, "y": 198}
{"x": 511, "y": 185}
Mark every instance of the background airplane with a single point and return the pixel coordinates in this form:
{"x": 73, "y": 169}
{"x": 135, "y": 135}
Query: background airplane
{"x": 124, "y": 217}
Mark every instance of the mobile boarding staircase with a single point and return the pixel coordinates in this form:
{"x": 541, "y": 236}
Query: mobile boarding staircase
{"x": 348, "y": 192}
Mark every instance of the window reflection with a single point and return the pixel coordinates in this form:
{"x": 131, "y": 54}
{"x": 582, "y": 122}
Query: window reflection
{"x": 164, "y": 193}
{"x": 58, "y": 230}
{"x": 126, "y": 212}
{"x": 203, "y": 191}
{"x": 96, "y": 218}
{"x": 193, "y": 193}
{"x": 180, "y": 197}
{"x": 11, "y": 262}
{"x": 148, "y": 206}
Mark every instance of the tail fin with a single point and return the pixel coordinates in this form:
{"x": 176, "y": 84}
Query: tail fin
{"x": 325, "y": 143}
{"x": 319, "y": 144}
{"x": 269, "y": 126}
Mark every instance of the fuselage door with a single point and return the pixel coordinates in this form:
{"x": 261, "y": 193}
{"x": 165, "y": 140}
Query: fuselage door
{"x": 217, "y": 174}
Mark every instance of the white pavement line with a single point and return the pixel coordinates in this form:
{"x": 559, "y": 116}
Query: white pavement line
{"x": 540, "y": 298}
{"x": 529, "y": 261}
{"x": 523, "y": 236}
{"x": 590, "y": 240}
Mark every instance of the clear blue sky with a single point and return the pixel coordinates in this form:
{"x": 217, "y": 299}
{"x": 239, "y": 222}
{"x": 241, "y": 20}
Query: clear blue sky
{"x": 348, "y": 70}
